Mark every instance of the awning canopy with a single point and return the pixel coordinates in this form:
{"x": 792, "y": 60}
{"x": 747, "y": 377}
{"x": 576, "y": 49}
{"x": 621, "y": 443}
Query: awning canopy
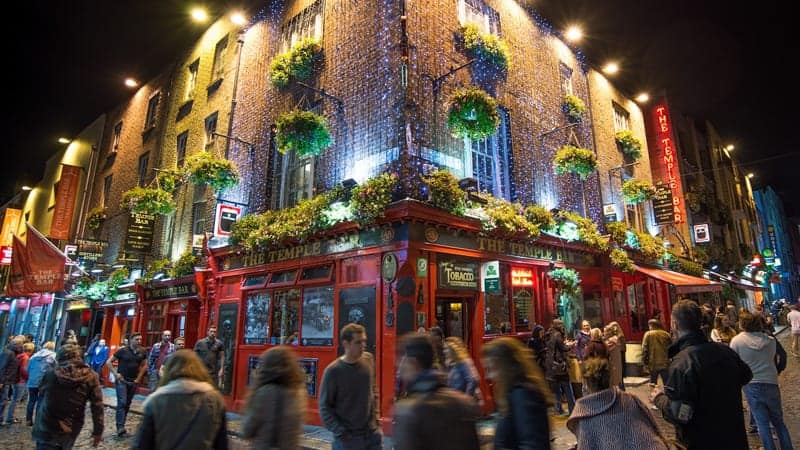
{"x": 684, "y": 284}
{"x": 740, "y": 283}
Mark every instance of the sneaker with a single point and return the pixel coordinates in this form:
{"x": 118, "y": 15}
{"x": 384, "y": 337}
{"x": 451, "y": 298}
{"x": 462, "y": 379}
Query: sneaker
{"x": 122, "y": 433}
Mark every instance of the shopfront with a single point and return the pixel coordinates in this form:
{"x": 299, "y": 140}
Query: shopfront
{"x": 169, "y": 305}
{"x": 119, "y": 316}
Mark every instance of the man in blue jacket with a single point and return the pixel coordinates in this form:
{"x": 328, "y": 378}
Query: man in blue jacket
{"x": 41, "y": 362}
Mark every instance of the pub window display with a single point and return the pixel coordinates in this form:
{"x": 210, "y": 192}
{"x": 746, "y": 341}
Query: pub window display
{"x": 257, "y": 318}
{"x": 285, "y": 317}
{"x": 317, "y": 328}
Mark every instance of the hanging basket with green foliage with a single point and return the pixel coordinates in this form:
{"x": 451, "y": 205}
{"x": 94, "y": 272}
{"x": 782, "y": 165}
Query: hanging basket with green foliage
{"x": 148, "y": 200}
{"x": 444, "y": 192}
{"x": 184, "y": 265}
{"x": 486, "y": 46}
{"x": 96, "y": 217}
{"x": 621, "y": 260}
{"x": 369, "y": 200}
{"x": 304, "y": 132}
{"x": 472, "y": 114}
{"x": 565, "y": 280}
{"x": 574, "y": 108}
{"x": 629, "y": 144}
{"x": 168, "y": 179}
{"x": 581, "y": 161}
{"x": 637, "y": 191}
{"x": 295, "y": 64}
{"x": 205, "y": 168}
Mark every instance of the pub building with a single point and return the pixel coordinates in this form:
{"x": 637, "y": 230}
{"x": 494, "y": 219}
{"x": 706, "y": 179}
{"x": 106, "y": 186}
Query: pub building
{"x": 170, "y": 305}
{"x": 119, "y": 316}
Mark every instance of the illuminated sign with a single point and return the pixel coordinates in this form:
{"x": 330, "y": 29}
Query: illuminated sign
{"x": 521, "y": 276}
{"x": 5, "y": 255}
{"x": 665, "y": 165}
{"x": 226, "y": 216}
{"x": 701, "y": 233}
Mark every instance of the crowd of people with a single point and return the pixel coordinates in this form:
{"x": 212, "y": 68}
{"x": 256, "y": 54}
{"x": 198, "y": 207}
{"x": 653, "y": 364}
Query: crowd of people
{"x": 697, "y": 372}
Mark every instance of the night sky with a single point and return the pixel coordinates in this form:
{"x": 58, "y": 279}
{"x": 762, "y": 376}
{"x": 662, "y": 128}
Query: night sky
{"x": 723, "y": 61}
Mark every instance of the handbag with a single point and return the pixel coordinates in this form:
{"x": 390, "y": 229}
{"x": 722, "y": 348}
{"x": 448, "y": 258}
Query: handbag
{"x": 559, "y": 366}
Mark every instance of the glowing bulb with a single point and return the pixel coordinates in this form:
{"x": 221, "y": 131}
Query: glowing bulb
{"x": 199, "y": 15}
{"x": 643, "y": 97}
{"x": 238, "y": 19}
{"x": 574, "y": 33}
{"x": 611, "y": 68}
{"x": 131, "y": 83}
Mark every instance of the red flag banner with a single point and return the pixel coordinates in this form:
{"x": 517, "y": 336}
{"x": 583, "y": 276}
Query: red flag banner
{"x": 17, "y": 279}
{"x": 45, "y": 262}
{"x": 66, "y": 194}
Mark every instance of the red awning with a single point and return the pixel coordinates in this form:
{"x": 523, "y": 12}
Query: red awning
{"x": 748, "y": 285}
{"x": 684, "y": 284}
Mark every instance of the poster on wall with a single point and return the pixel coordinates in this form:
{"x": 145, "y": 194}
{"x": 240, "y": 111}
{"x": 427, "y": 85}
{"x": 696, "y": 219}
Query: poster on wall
{"x": 317, "y": 316}
{"x": 226, "y": 332}
{"x": 357, "y": 305}
{"x": 256, "y": 320}
{"x": 309, "y": 367}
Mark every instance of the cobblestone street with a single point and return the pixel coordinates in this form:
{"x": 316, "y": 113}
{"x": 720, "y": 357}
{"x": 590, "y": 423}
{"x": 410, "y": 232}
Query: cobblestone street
{"x": 18, "y": 436}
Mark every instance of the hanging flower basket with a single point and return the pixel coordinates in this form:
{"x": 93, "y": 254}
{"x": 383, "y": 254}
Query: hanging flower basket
{"x": 565, "y": 280}
{"x": 486, "y": 47}
{"x": 629, "y": 144}
{"x": 637, "y": 191}
{"x": 621, "y": 260}
{"x": 205, "y": 168}
{"x": 369, "y": 200}
{"x": 148, "y": 200}
{"x": 581, "y": 161}
{"x": 168, "y": 179}
{"x": 304, "y": 132}
{"x": 295, "y": 64}
{"x": 96, "y": 217}
{"x": 472, "y": 114}
{"x": 445, "y": 192}
{"x": 574, "y": 108}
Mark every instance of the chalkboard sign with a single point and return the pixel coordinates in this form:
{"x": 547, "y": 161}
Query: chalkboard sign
{"x": 663, "y": 209}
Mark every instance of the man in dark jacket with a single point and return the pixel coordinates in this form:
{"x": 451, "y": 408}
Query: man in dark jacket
{"x": 9, "y": 371}
{"x": 702, "y": 394}
{"x": 62, "y": 402}
{"x": 432, "y": 416}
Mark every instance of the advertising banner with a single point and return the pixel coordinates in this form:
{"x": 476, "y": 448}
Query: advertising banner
{"x": 10, "y": 225}
{"x": 45, "y": 263}
{"x": 66, "y": 193}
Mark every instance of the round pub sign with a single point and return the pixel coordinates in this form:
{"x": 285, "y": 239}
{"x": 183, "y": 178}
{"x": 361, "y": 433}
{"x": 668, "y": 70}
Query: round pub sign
{"x": 389, "y": 267}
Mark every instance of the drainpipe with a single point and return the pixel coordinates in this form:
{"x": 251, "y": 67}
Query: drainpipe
{"x": 240, "y": 45}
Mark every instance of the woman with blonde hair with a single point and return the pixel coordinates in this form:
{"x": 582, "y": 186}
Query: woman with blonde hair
{"x": 462, "y": 375}
{"x": 520, "y": 393}
{"x": 723, "y": 331}
{"x": 186, "y": 411}
{"x": 276, "y": 406}
{"x": 615, "y": 355}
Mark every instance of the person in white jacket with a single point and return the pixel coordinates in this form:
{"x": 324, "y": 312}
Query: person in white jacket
{"x": 757, "y": 350}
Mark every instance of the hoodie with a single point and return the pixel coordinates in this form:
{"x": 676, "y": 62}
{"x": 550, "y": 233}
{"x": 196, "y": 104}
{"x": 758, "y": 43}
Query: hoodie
{"x": 62, "y": 403}
{"x": 41, "y": 362}
{"x": 757, "y": 350}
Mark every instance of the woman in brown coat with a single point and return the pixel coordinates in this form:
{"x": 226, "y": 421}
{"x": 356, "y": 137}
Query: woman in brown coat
{"x": 275, "y": 411}
{"x": 596, "y": 348}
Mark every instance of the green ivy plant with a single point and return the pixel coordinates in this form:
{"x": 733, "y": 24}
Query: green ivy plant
{"x": 540, "y": 216}
{"x": 581, "y": 161}
{"x": 566, "y": 280}
{"x": 295, "y": 64}
{"x": 148, "y": 200}
{"x": 629, "y": 144}
{"x": 304, "y": 132}
{"x": 574, "y": 108}
{"x": 507, "y": 217}
{"x": 472, "y": 114}
{"x": 168, "y": 179}
{"x": 184, "y": 265}
{"x": 152, "y": 269}
{"x": 651, "y": 247}
{"x": 486, "y": 46}
{"x": 444, "y": 192}
{"x": 205, "y": 168}
{"x": 96, "y": 217}
{"x": 637, "y": 191}
{"x": 369, "y": 200}
{"x": 621, "y": 260}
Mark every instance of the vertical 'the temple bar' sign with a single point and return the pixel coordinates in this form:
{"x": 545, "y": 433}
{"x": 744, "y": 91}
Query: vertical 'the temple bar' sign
{"x": 666, "y": 166}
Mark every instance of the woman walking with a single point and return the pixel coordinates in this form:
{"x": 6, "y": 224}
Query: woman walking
{"x": 615, "y": 356}
{"x": 275, "y": 410}
{"x": 556, "y": 367}
{"x": 462, "y": 375}
{"x": 521, "y": 395}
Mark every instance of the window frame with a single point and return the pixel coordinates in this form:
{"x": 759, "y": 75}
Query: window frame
{"x": 621, "y": 115}
{"x": 180, "y": 150}
{"x": 469, "y": 9}
{"x": 210, "y": 134}
{"x": 116, "y": 137}
{"x": 141, "y": 171}
{"x": 107, "y": 180}
{"x": 220, "y": 53}
{"x": 152, "y": 111}
{"x": 502, "y": 162}
{"x": 300, "y": 26}
{"x": 191, "y": 81}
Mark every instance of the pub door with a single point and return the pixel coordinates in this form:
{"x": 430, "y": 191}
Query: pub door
{"x": 452, "y": 316}
{"x": 357, "y": 305}
{"x": 177, "y": 324}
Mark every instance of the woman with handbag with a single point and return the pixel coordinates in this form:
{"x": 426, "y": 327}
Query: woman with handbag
{"x": 556, "y": 366}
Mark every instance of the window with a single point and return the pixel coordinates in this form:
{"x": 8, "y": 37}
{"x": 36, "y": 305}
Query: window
{"x": 287, "y": 276}
{"x": 489, "y": 161}
{"x": 211, "y": 129}
{"x": 199, "y": 211}
{"x": 219, "y": 59}
{"x": 183, "y": 139}
{"x": 317, "y": 316}
{"x": 498, "y": 311}
{"x": 622, "y": 119}
{"x": 566, "y": 79}
{"x": 478, "y": 13}
{"x": 285, "y": 317}
{"x": 635, "y": 216}
{"x": 106, "y": 190}
{"x": 306, "y": 24}
{"x": 191, "y": 80}
{"x": 152, "y": 107}
{"x": 156, "y": 317}
{"x": 256, "y": 322}
{"x": 117, "y": 136}
{"x": 523, "y": 303}
{"x": 144, "y": 160}
{"x": 298, "y": 179}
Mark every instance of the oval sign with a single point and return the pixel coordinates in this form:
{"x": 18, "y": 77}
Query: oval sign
{"x": 389, "y": 267}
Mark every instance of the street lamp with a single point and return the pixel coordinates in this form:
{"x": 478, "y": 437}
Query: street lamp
{"x": 643, "y": 97}
{"x": 238, "y": 19}
{"x": 574, "y": 33}
{"x": 730, "y": 147}
{"x": 611, "y": 68}
{"x": 199, "y": 15}
{"x": 63, "y": 140}
{"x": 131, "y": 83}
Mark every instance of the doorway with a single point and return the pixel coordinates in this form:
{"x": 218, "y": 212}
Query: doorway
{"x": 452, "y": 316}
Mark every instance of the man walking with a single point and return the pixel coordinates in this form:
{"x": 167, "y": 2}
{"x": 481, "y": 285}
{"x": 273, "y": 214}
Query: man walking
{"x": 757, "y": 350}
{"x": 347, "y": 400}
{"x": 794, "y": 320}
{"x": 62, "y": 402}
{"x": 702, "y": 394}
{"x": 9, "y": 372}
{"x": 655, "y": 346}
{"x": 131, "y": 368}
{"x": 432, "y": 416}
{"x": 40, "y": 363}
{"x": 158, "y": 354}
{"x": 212, "y": 352}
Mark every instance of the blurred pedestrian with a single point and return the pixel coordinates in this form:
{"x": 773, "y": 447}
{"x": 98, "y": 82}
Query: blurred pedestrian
{"x": 730, "y": 311}
{"x": 132, "y": 366}
{"x": 348, "y": 397}
{"x": 610, "y": 416}
{"x": 616, "y": 330}
{"x": 21, "y": 381}
{"x": 276, "y": 406}
{"x": 708, "y": 319}
{"x": 98, "y": 357}
{"x": 615, "y": 360}
{"x": 87, "y": 356}
{"x": 723, "y": 330}
{"x": 9, "y": 374}
{"x": 186, "y": 412}
{"x": 520, "y": 393}
{"x": 702, "y": 395}
{"x": 462, "y": 375}
{"x": 538, "y": 345}
{"x": 437, "y": 336}
{"x": 62, "y": 402}
{"x": 757, "y": 350}
{"x": 556, "y": 367}
{"x": 582, "y": 339}
{"x": 432, "y": 416}
{"x": 40, "y": 363}
{"x": 212, "y": 352}
{"x": 655, "y": 346}
{"x": 794, "y": 320}
{"x": 596, "y": 348}
{"x": 158, "y": 353}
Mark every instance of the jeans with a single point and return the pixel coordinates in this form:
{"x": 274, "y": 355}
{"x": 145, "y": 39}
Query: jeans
{"x": 558, "y": 387}
{"x": 125, "y": 392}
{"x": 17, "y": 390}
{"x": 33, "y": 398}
{"x": 66, "y": 445}
{"x": 654, "y": 376}
{"x": 764, "y": 400}
{"x": 5, "y": 390}
{"x": 366, "y": 442}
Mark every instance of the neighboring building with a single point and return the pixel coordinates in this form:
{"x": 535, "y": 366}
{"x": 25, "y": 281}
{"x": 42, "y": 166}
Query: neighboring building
{"x": 775, "y": 246}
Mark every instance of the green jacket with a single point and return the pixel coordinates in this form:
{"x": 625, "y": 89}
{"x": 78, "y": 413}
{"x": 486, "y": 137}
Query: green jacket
{"x": 655, "y": 346}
